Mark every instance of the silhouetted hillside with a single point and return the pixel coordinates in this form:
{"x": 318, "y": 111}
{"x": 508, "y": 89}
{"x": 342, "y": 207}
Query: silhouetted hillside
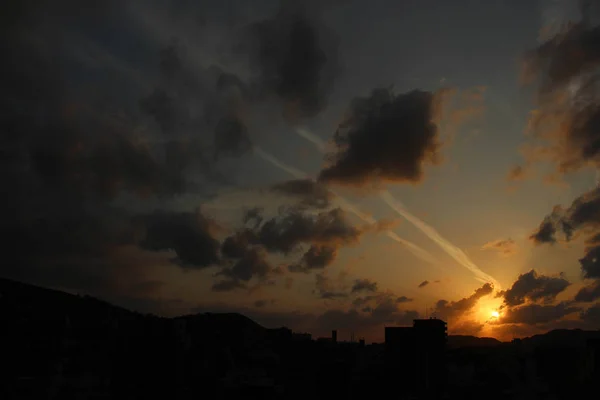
{"x": 562, "y": 338}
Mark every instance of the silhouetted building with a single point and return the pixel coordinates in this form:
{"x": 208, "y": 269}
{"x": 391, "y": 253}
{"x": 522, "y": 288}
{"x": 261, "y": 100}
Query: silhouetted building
{"x": 417, "y": 355}
{"x": 334, "y": 336}
{"x": 430, "y": 365}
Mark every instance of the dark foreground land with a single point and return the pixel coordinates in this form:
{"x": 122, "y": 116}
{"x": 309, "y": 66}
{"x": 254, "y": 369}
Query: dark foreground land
{"x": 56, "y": 345}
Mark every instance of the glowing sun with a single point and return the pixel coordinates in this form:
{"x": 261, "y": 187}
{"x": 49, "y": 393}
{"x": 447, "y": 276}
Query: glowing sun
{"x": 495, "y": 314}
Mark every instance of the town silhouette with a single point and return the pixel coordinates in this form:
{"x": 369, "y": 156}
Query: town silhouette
{"x": 57, "y": 345}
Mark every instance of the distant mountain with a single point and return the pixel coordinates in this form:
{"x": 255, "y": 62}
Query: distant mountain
{"x": 562, "y": 338}
{"x": 458, "y": 341}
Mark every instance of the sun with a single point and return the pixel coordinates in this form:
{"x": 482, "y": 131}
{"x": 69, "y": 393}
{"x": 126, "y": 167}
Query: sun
{"x": 495, "y": 314}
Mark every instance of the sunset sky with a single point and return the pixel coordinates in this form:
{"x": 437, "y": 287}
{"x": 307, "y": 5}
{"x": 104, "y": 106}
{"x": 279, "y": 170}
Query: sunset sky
{"x": 321, "y": 165}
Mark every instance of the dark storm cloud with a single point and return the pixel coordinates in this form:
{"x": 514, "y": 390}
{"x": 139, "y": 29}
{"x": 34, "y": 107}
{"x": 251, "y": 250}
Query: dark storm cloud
{"x": 533, "y": 287}
{"x": 310, "y": 193}
{"x": 189, "y": 235}
{"x": 295, "y": 57}
{"x": 364, "y": 285}
{"x": 445, "y": 309}
{"x": 589, "y": 293}
{"x": 423, "y": 284}
{"x": 87, "y": 124}
{"x": 192, "y": 102}
{"x": 231, "y": 137}
{"x": 532, "y": 314}
{"x": 385, "y": 137}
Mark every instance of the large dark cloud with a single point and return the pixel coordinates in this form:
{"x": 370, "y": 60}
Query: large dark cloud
{"x": 284, "y": 234}
{"x": 533, "y": 287}
{"x": 569, "y": 114}
{"x": 189, "y": 235}
{"x": 92, "y": 134}
{"x": 296, "y": 58}
{"x": 317, "y": 237}
{"x": 385, "y": 137}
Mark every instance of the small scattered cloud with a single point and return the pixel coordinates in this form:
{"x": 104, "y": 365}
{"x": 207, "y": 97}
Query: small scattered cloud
{"x": 423, "y": 284}
{"x": 403, "y": 299}
{"x": 506, "y": 247}
{"x": 364, "y": 285}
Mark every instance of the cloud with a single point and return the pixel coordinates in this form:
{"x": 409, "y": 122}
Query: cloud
{"x": 310, "y": 193}
{"x": 533, "y": 314}
{"x": 506, "y": 247}
{"x": 385, "y": 137}
{"x": 364, "y": 285}
{"x": 228, "y": 285}
{"x": 283, "y": 234}
{"x": 260, "y": 303}
{"x": 403, "y": 299}
{"x": 94, "y": 137}
{"x": 589, "y": 293}
{"x": 295, "y": 57}
{"x": 533, "y": 287}
{"x": 517, "y": 173}
{"x": 253, "y": 263}
{"x": 546, "y": 233}
{"x": 327, "y": 289}
{"x": 445, "y": 309}
{"x": 583, "y": 216}
{"x": 591, "y": 315}
{"x": 245, "y": 252}
{"x": 565, "y": 67}
{"x": 189, "y": 235}
{"x": 423, "y": 284}
{"x": 385, "y": 312}
{"x": 316, "y": 257}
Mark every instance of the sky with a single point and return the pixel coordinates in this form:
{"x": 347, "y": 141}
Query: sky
{"x": 319, "y": 165}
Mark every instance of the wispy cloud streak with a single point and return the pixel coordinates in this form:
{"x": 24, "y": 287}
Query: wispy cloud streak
{"x": 453, "y": 251}
{"x": 434, "y": 235}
